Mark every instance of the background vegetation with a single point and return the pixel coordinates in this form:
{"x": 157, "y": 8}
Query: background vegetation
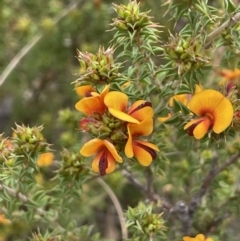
{"x": 38, "y": 49}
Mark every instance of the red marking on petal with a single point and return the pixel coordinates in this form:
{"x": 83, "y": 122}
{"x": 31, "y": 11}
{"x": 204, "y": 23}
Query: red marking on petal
{"x": 103, "y": 164}
{"x": 191, "y": 128}
{"x": 148, "y": 149}
{"x": 229, "y": 87}
{"x": 144, "y": 104}
{"x": 88, "y": 94}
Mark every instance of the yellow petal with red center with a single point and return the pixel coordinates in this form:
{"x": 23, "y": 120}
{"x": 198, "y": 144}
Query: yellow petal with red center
{"x": 223, "y": 115}
{"x": 111, "y": 148}
{"x": 148, "y": 144}
{"x": 193, "y": 122}
{"x": 116, "y": 100}
{"x": 110, "y": 162}
{"x": 90, "y": 105}
{"x": 84, "y": 90}
{"x": 141, "y": 109}
{"x": 144, "y": 128}
{"x": 212, "y": 103}
{"x": 95, "y": 162}
{"x": 143, "y": 156}
{"x": 205, "y": 101}
{"x": 144, "y": 152}
{"x": 122, "y": 116}
{"x": 200, "y": 237}
{"x": 129, "y": 145}
{"x": 91, "y": 147}
{"x": 202, "y": 128}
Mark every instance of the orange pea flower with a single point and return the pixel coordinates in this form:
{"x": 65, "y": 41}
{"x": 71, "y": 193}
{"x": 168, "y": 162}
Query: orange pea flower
{"x": 144, "y": 151}
{"x": 199, "y": 237}
{"x": 213, "y": 111}
{"x": 106, "y": 154}
{"x": 230, "y": 75}
{"x": 85, "y": 90}
{"x": 93, "y": 104}
{"x": 45, "y": 159}
{"x": 4, "y": 220}
{"x": 117, "y": 105}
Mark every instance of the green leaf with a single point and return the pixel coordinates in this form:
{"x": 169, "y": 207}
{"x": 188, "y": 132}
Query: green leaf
{"x": 183, "y": 89}
{"x": 174, "y": 120}
{"x": 163, "y": 112}
{"x": 229, "y": 6}
{"x": 167, "y": 90}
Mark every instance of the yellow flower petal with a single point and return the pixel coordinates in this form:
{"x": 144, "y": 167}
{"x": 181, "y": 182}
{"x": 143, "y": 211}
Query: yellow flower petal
{"x": 205, "y": 101}
{"x": 140, "y": 110}
{"x": 148, "y": 144}
{"x": 91, "y": 147}
{"x": 198, "y": 89}
{"x": 181, "y": 98}
{"x": 143, "y": 156}
{"x": 4, "y": 220}
{"x": 90, "y": 105}
{"x": 200, "y": 237}
{"x": 129, "y": 145}
{"x": 186, "y": 238}
{"x": 111, "y": 148}
{"x": 211, "y": 102}
{"x": 230, "y": 74}
{"x": 95, "y": 161}
{"x": 122, "y": 116}
{"x": 84, "y": 90}
{"x": 201, "y": 129}
{"x": 144, "y": 128}
{"x": 223, "y": 116}
{"x": 192, "y": 122}
{"x": 45, "y": 159}
{"x": 110, "y": 162}
{"x": 163, "y": 119}
{"x": 209, "y": 239}
{"x": 116, "y": 100}
{"x": 185, "y": 98}
{"x": 142, "y": 152}
{"x": 104, "y": 93}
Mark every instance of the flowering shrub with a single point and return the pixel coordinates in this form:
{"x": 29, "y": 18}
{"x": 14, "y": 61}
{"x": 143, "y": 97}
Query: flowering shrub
{"x": 152, "y": 112}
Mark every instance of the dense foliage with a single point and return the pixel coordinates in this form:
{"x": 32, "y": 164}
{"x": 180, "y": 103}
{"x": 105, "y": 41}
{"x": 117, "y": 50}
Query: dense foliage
{"x": 119, "y": 123}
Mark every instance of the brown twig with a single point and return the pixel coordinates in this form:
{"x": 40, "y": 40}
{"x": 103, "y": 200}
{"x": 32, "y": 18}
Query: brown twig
{"x": 117, "y": 206}
{"x": 214, "y": 171}
{"x": 229, "y": 23}
{"x": 20, "y": 196}
{"x": 150, "y": 194}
